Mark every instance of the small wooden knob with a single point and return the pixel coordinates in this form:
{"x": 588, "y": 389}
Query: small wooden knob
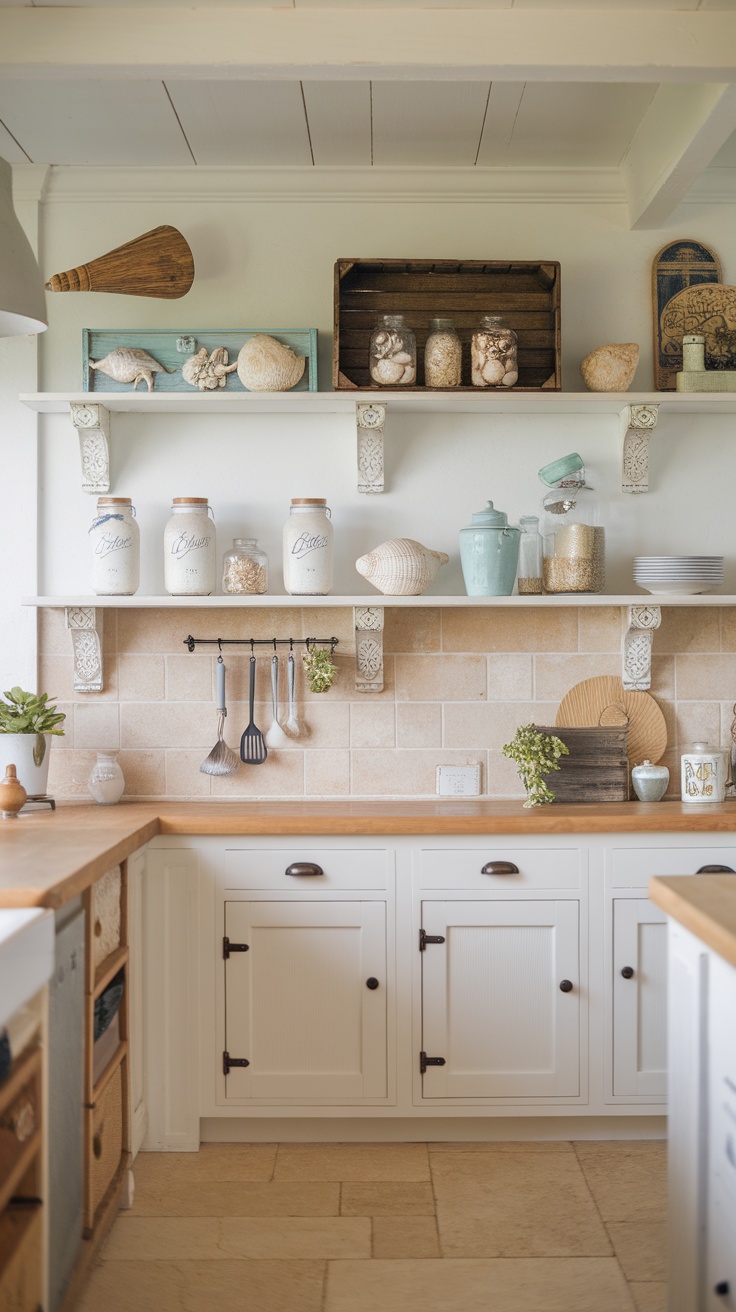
{"x": 12, "y": 794}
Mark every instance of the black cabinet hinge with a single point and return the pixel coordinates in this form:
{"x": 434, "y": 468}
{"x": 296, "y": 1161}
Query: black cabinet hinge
{"x": 425, "y": 1061}
{"x": 228, "y": 947}
{"x": 228, "y": 1061}
{"x": 425, "y": 938}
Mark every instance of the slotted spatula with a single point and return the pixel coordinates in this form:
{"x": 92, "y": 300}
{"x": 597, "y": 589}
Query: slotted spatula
{"x": 253, "y": 750}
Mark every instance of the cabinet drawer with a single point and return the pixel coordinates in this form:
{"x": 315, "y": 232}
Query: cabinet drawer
{"x": 21, "y": 1258}
{"x": 341, "y": 868}
{"x": 463, "y": 868}
{"x": 634, "y": 867}
{"x": 106, "y": 1138}
{"x": 106, "y": 915}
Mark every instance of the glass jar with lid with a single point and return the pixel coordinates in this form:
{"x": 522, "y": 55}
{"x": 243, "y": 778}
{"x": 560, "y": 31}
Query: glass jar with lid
{"x": 244, "y": 568}
{"x": 442, "y": 355}
{"x": 116, "y": 551}
{"x": 307, "y": 548}
{"x": 494, "y": 353}
{"x": 572, "y": 531}
{"x": 393, "y": 353}
{"x": 529, "y": 575}
{"x": 190, "y": 561}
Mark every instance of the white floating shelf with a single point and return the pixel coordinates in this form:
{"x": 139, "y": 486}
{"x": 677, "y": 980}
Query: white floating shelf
{"x": 271, "y": 601}
{"x": 484, "y": 403}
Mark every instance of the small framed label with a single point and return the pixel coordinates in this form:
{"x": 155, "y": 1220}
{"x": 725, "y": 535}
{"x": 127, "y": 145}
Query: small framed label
{"x": 458, "y": 780}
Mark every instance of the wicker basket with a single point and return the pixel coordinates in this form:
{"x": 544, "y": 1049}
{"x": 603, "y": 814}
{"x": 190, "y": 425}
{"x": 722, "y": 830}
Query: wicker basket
{"x": 107, "y": 1138}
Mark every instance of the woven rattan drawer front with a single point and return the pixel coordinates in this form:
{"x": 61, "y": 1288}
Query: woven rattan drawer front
{"x": 21, "y": 1258}
{"x": 106, "y": 915}
{"x": 499, "y": 868}
{"x": 106, "y": 1144}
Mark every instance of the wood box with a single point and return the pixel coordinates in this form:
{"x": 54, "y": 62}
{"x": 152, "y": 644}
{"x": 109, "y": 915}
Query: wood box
{"x": 526, "y": 293}
{"x": 597, "y": 769}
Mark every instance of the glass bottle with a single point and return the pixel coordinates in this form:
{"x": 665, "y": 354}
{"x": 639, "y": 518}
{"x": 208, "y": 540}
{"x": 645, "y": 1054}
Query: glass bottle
{"x": 106, "y": 782}
{"x": 190, "y": 561}
{"x": 116, "y": 548}
{"x": 529, "y": 577}
{"x": 244, "y": 568}
{"x": 393, "y": 353}
{"x": 442, "y": 355}
{"x": 574, "y": 539}
{"x": 493, "y": 353}
{"x": 307, "y": 548}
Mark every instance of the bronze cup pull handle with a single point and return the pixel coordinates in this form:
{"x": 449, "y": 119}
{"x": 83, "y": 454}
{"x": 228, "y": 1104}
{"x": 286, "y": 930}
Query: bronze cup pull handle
{"x": 500, "y": 868}
{"x": 304, "y": 868}
{"x": 715, "y": 870}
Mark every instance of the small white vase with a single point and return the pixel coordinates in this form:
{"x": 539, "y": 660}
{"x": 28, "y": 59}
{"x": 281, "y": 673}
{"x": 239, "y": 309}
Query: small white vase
{"x": 29, "y": 753}
{"x": 106, "y": 782}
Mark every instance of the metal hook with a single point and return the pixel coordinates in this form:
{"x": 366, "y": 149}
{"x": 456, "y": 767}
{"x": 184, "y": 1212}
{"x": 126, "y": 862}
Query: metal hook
{"x": 291, "y": 651}
{"x": 333, "y": 644}
{"x": 252, "y": 654}
{"x": 190, "y": 642}
{"x": 220, "y": 661}
{"x": 274, "y": 646}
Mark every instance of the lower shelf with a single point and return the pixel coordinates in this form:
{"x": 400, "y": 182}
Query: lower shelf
{"x": 275, "y": 601}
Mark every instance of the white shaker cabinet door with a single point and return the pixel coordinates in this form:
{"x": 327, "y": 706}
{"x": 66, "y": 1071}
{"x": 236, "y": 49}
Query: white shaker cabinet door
{"x": 639, "y": 998}
{"x": 493, "y": 1005}
{"x": 306, "y": 1004}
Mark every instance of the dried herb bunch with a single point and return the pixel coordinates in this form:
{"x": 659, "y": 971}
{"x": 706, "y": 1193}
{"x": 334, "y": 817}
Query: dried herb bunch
{"x": 536, "y": 754}
{"x": 321, "y": 672}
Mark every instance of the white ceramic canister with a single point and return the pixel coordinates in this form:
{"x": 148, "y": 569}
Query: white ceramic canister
{"x": 307, "y": 556}
{"x": 190, "y": 549}
{"x": 704, "y": 773}
{"x": 650, "y": 782}
{"x": 116, "y": 548}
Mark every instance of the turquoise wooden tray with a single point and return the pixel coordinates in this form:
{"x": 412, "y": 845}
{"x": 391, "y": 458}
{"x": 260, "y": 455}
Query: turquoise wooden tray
{"x": 171, "y": 348}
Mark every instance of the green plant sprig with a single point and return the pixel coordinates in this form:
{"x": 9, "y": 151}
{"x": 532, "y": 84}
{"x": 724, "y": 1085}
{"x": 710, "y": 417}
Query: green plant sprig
{"x": 536, "y": 754}
{"x": 321, "y": 672}
{"x": 25, "y": 712}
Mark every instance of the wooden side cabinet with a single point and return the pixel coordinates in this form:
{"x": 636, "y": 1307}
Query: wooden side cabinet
{"x": 21, "y": 1215}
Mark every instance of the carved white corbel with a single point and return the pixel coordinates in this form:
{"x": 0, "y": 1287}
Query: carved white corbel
{"x": 368, "y": 623}
{"x": 82, "y": 624}
{"x": 370, "y": 418}
{"x": 637, "y": 663}
{"x": 637, "y": 424}
{"x": 92, "y": 423}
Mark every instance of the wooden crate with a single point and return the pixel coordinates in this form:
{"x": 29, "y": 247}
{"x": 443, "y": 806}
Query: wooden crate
{"x": 526, "y": 293}
{"x": 597, "y": 769}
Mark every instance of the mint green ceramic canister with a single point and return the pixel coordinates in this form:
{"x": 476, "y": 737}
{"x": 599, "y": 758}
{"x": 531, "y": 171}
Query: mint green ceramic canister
{"x": 489, "y": 554}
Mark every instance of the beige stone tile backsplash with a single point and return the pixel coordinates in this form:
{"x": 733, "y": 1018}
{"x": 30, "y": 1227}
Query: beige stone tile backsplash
{"x": 457, "y": 684}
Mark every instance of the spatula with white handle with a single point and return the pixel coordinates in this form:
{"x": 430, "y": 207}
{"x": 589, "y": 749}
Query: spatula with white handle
{"x": 275, "y": 736}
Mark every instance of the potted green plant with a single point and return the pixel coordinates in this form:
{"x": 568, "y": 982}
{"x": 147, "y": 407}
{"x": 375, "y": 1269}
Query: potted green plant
{"x": 27, "y": 723}
{"x": 536, "y": 755}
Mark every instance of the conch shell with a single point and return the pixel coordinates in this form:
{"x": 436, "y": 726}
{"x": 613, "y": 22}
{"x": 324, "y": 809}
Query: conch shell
{"x": 401, "y": 567}
{"x": 265, "y": 365}
{"x": 130, "y": 364}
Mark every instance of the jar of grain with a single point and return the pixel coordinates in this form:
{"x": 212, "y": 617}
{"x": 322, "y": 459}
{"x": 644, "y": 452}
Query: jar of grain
{"x": 116, "y": 550}
{"x": 442, "y": 355}
{"x": 190, "y": 562}
{"x": 244, "y": 568}
{"x": 493, "y": 353}
{"x": 573, "y": 536}
{"x": 529, "y": 575}
{"x": 393, "y": 353}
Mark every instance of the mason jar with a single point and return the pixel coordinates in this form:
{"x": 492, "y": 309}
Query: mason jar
{"x": 116, "y": 548}
{"x": 442, "y": 355}
{"x": 572, "y": 532}
{"x": 244, "y": 568}
{"x": 307, "y": 548}
{"x": 190, "y": 560}
{"x": 529, "y": 575}
{"x": 493, "y": 353}
{"x": 393, "y": 353}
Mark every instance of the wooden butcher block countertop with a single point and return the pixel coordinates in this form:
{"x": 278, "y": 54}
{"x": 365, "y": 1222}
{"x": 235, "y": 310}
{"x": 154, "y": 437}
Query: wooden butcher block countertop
{"x": 47, "y": 857}
{"x": 704, "y": 904}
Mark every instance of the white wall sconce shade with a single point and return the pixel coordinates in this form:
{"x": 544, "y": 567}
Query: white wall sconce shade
{"x": 22, "y": 302}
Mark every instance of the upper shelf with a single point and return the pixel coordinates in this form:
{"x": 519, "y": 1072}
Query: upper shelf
{"x": 477, "y": 403}
{"x": 274, "y": 600}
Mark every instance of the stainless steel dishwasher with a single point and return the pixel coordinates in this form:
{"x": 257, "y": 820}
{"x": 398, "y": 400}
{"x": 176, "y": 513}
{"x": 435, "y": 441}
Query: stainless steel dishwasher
{"x": 66, "y": 1093}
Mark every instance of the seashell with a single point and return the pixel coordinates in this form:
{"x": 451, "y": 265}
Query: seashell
{"x": 265, "y": 365}
{"x": 409, "y": 375}
{"x": 401, "y": 567}
{"x": 387, "y": 371}
{"x": 610, "y": 368}
{"x": 129, "y": 364}
{"x": 493, "y": 372}
{"x": 510, "y": 378}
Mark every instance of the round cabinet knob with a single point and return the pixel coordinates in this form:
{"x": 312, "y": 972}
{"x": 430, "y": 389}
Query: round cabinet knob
{"x": 371, "y": 983}
{"x": 566, "y": 986}
{"x": 627, "y": 972}
{"x": 723, "y": 1287}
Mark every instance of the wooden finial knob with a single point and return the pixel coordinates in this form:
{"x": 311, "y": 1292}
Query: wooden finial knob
{"x": 12, "y": 794}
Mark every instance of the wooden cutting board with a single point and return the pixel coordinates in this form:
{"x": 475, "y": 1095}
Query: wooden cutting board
{"x": 605, "y": 702}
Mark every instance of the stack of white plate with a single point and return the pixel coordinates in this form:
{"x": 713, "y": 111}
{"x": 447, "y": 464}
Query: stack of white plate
{"x": 687, "y": 575}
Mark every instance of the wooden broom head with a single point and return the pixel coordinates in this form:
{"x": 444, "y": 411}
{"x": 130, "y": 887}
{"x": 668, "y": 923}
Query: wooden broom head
{"x": 158, "y": 263}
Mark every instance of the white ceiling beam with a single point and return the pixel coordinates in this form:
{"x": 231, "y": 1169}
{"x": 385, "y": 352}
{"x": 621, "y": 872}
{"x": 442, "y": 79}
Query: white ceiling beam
{"x": 513, "y": 45}
{"x": 681, "y": 132}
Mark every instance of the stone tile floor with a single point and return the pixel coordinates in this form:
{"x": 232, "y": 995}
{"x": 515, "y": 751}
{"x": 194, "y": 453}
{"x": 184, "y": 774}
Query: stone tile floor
{"x": 442, "y": 1227}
